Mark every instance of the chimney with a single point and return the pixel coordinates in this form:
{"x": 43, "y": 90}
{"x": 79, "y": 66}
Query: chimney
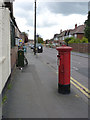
{"x": 75, "y": 26}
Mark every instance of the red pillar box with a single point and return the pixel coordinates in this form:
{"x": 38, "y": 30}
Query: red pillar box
{"x": 64, "y": 69}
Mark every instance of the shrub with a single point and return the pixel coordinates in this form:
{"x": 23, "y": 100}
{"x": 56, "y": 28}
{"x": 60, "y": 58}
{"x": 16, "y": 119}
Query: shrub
{"x": 84, "y": 40}
{"x": 77, "y": 40}
{"x": 68, "y": 39}
{"x": 74, "y": 40}
{"x": 71, "y": 41}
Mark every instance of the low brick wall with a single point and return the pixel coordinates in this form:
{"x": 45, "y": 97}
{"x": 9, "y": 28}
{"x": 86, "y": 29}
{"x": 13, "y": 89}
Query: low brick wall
{"x": 81, "y": 47}
{"x": 13, "y": 56}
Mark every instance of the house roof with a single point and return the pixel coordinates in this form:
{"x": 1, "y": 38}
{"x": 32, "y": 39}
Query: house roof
{"x": 62, "y": 33}
{"x": 56, "y": 35}
{"x": 79, "y": 29}
{"x": 9, "y": 5}
{"x": 71, "y": 31}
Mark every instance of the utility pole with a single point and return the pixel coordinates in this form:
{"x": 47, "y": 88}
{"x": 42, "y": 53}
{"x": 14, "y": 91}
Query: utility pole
{"x": 35, "y": 30}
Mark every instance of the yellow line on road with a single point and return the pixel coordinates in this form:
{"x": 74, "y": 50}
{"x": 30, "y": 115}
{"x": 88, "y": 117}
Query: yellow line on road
{"x": 80, "y": 89}
{"x": 76, "y": 84}
{"x": 80, "y": 85}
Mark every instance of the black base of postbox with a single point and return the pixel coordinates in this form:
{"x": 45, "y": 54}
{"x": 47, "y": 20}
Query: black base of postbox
{"x": 64, "y": 89}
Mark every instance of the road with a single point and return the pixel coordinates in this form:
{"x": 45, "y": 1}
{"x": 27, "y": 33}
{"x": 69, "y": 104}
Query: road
{"x": 79, "y": 66}
{"x": 34, "y": 93}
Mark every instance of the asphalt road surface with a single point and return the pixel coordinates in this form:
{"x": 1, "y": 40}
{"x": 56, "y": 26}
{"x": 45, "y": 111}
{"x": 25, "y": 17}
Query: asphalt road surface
{"x": 79, "y": 64}
{"x": 34, "y": 91}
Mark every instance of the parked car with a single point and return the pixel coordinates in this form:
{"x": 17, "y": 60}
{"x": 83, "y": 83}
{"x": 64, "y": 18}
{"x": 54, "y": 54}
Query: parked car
{"x": 32, "y": 46}
{"x": 39, "y": 48}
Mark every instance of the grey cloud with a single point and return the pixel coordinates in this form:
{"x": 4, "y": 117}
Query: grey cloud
{"x": 21, "y": 13}
{"x": 30, "y": 22}
{"x": 65, "y": 8}
{"x": 46, "y": 24}
{"x": 24, "y": 5}
{"x": 26, "y": 15}
{"x": 89, "y": 6}
{"x": 24, "y": 10}
{"x": 27, "y": 6}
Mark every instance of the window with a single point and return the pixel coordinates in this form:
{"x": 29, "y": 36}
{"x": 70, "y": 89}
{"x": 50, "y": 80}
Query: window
{"x": 12, "y": 34}
{"x": 75, "y": 35}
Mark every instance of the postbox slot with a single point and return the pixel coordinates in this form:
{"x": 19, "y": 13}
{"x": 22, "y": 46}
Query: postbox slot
{"x": 58, "y": 56}
{"x": 58, "y": 60}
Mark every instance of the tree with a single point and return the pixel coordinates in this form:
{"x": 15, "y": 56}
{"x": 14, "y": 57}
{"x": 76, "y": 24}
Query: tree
{"x": 68, "y": 39}
{"x": 74, "y": 40}
{"x": 46, "y": 41}
{"x": 87, "y": 28}
{"x": 25, "y": 37}
{"x": 40, "y": 40}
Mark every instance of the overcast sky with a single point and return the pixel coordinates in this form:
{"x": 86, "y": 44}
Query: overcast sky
{"x": 51, "y": 16}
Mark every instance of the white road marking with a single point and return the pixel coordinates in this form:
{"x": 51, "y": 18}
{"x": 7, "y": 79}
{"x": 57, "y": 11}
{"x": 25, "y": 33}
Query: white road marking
{"x": 75, "y": 68}
{"x": 76, "y": 62}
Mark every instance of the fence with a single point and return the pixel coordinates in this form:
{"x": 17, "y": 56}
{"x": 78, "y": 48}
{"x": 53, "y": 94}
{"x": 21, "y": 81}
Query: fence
{"x": 81, "y": 47}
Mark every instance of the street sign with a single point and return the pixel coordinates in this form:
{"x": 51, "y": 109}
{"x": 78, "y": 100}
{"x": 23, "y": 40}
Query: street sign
{"x": 20, "y": 41}
{"x": 37, "y": 35}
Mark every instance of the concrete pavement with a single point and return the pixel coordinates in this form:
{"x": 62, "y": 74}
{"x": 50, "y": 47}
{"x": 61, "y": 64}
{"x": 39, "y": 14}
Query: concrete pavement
{"x": 34, "y": 94}
{"x": 80, "y": 54}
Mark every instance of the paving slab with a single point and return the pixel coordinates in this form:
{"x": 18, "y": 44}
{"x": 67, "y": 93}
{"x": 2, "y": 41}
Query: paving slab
{"x": 34, "y": 94}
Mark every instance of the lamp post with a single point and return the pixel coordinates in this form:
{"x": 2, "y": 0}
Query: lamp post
{"x": 35, "y": 30}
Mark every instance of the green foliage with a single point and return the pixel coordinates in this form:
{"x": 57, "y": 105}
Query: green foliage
{"x": 68, "y": 39}
{"x": 40, "y": 40}
{"x": 24, "y": 33}
{"x": 47, "y": 41}
{"x": 87, "y": 28}
{"x": 71, "y": 41}
{"x": 9, "y": 86}
{"x": 4, "y": 99}
{"x": 84, "y": 40}
{"x": 76, "y": 40}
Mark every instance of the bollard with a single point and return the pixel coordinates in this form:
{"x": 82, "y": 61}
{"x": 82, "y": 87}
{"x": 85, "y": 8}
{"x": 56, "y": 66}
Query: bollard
{"x": 64, "y": 69}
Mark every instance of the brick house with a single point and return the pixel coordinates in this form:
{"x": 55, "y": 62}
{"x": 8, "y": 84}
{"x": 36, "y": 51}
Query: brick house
{"x": 14, "y": 34}
{"x": 9, "y": 32}
{"x": 56, "y": 38}
{"x": 24, "y": 37}
{"x": 62, "y": 36}
{"x": 77, "y": 32}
